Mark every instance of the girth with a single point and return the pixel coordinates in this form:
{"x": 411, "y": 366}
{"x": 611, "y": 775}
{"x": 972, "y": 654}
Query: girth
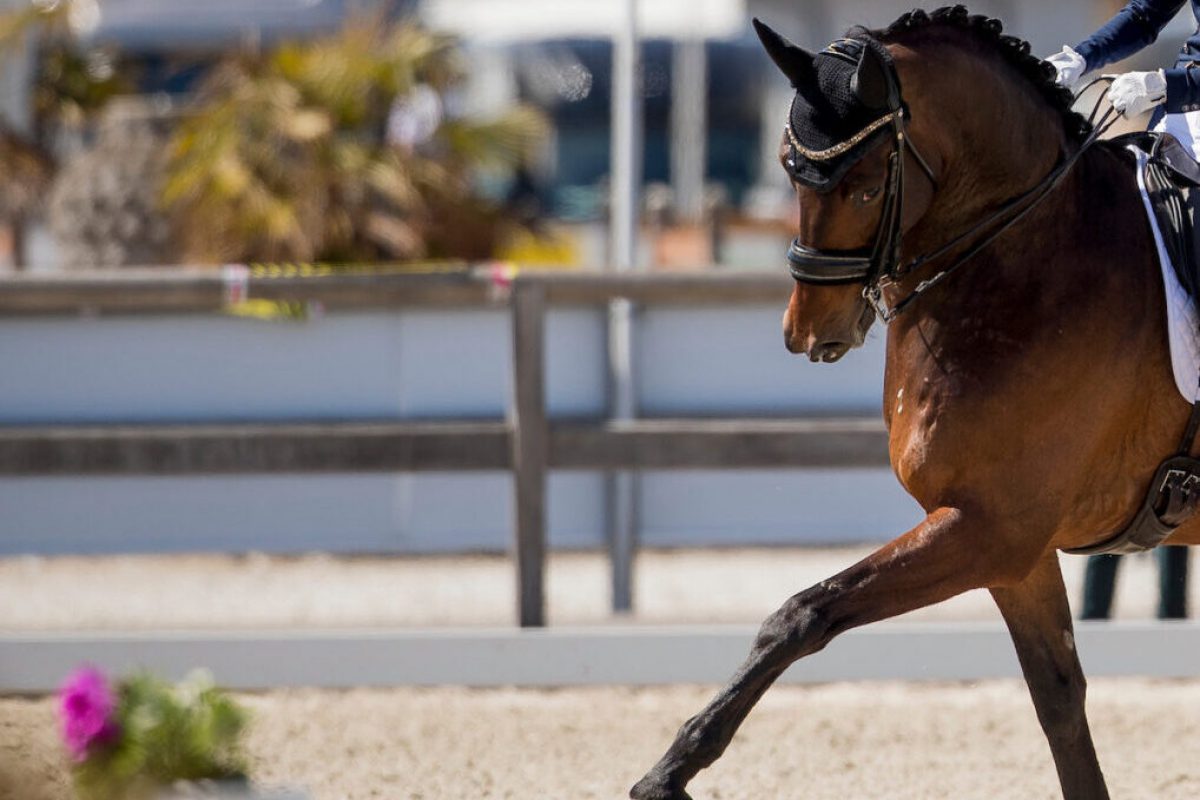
{"x": 1172, "y": 499}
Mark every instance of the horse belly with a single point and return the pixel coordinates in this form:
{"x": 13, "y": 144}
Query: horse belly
{"x": 1187, "y": 533}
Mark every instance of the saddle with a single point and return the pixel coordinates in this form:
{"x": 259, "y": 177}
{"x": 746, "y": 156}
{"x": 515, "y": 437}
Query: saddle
{"x": 1170, "y": 175}
{"x": 1172, "y": 179}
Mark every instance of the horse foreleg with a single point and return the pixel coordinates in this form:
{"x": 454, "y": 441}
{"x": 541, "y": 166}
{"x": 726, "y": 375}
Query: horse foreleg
{"x": 948, "y": 553}
{"x": 1039, "y": 620}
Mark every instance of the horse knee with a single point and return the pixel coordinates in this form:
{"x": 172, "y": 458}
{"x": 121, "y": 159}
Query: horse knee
{"x": 798, "y": 628}
{"x": 1061, "y": 713}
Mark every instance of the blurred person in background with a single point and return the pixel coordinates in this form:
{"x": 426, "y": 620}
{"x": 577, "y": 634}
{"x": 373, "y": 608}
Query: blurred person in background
{"x": 1174, "y": 97}
{"x": 1100, "y": 579}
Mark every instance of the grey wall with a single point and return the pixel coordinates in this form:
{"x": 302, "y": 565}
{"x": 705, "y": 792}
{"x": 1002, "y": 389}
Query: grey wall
{"x": 732, "y": 360}
{"x": 418, "y": 364}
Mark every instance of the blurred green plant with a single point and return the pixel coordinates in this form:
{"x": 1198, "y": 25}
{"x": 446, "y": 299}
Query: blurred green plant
{"x": 71, "y": 83}
{"x": 129, "y": 743}
{"x": 293, "y": 154}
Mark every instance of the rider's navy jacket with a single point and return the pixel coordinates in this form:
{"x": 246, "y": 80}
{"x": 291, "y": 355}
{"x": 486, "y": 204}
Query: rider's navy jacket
{"x": 1137, "y": 25}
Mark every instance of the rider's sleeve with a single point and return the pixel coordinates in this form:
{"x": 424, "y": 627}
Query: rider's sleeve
{"x": 1134, "y": 27}
{"x": 1183, "y": 89}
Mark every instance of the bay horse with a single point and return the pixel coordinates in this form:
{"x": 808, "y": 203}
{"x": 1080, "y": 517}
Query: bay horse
{"x": 1028, "y": 392}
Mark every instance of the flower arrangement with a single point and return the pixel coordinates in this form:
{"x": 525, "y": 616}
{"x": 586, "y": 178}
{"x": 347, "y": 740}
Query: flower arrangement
{"x": 130, "y": 740}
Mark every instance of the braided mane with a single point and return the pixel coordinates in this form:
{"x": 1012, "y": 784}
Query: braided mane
{"x": 1015, "y": 51}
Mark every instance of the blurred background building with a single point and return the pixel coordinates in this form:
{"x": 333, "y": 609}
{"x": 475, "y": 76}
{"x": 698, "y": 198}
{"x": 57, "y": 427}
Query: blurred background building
{"x": 712, "y": 193}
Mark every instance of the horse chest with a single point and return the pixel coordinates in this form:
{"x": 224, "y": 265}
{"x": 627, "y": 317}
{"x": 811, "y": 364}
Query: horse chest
{"x": 914, "y": 415}
{"x": 942, "y": 397}
{"x": 937, "y": 420}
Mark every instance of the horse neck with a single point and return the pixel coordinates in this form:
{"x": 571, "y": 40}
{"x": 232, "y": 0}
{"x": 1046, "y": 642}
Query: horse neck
{"x": 1080, "y": 271}
{"x": 990, "y": 151}
{"x": 1049, "y": 259}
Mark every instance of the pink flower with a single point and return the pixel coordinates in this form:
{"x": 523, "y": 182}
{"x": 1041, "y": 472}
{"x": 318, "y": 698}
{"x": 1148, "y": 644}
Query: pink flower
{"x": 85, "y": 707}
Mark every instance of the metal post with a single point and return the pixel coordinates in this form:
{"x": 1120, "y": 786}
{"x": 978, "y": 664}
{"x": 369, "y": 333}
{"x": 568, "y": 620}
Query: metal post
{"x": 816, "y": 18}
{"x": 530, "y": 436}
{"x": 689, "y": 86}
{"x": 625, "y": 181}
{"x": 626, "y": 150}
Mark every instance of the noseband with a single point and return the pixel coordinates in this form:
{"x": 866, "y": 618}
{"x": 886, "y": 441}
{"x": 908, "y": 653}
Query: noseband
{"x": 878, "y": 265}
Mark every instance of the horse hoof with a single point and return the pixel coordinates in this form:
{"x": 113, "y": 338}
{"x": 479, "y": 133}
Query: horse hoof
{"x": 653, "y": 787}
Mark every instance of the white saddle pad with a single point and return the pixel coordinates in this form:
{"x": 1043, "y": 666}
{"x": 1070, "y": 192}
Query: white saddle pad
{"x": 1183, "y": 325}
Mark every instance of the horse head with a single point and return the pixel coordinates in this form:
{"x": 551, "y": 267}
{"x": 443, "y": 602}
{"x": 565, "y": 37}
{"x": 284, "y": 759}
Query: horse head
{"x": 834, "y": 148}
{"x": 881, "y": 174}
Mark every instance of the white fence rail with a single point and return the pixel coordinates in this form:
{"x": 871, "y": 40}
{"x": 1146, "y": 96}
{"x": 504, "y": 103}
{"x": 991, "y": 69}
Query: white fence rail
{"x": 581, "y": 656}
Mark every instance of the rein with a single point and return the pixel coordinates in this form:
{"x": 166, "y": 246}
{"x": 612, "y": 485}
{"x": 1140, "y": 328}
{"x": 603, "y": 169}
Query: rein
{"x": 881, "y": 267}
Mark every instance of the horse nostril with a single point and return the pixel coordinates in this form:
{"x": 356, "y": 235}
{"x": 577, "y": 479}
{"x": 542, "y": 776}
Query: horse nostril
{"x": 827, "y": 352}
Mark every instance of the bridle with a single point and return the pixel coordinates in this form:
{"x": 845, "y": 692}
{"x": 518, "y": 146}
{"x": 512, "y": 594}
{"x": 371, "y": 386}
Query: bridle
{"x": 831, "y": 267}
{"x": 878, "y": 266}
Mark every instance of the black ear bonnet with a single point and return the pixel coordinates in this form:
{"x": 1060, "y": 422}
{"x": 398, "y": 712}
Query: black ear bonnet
{"x": 841, "y": 92}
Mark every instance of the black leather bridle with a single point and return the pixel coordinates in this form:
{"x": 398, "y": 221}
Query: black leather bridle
{"x": 832, "y": 267}
{"x": 878, "y": 265}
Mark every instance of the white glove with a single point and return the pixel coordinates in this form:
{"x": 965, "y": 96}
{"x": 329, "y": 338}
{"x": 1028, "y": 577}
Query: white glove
{"x": 1070, "y": 67}
{"x": 1136, "y": 93}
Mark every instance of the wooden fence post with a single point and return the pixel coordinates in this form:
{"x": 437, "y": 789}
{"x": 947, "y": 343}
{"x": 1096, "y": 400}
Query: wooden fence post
{"x": 530, "y": 448}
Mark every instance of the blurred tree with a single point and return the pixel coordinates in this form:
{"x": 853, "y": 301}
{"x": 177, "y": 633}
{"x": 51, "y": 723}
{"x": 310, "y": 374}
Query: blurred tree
{"x": 25, "y": 174}
{"x": 334, "y": 149}
{"x": 71, "y": 83}
{"x": 105, "y": 207}
{"x": 339, "y": 149}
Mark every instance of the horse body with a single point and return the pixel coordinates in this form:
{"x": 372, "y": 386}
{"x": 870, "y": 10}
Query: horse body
{"x": 1029, "y": 398}
{"x": 1038, "y": 382}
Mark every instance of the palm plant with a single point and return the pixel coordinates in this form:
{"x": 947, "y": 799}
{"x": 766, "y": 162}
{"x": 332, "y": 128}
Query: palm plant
{"x": 286, "y": 155}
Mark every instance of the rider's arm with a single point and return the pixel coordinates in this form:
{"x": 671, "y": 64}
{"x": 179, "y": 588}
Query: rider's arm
{"x": 1183, "y": 90}
{"x": 1134, "y": 27}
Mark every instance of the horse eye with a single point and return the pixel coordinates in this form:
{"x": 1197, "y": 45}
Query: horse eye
{"x": 869, "y": 195}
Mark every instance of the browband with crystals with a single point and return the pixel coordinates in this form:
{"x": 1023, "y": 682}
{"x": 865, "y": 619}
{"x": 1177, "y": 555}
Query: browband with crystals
{"x": 841, "y": 147}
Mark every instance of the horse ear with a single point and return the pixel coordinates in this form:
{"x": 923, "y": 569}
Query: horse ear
{"x": 793, "y": 61}
{"x": 871, "y": 82}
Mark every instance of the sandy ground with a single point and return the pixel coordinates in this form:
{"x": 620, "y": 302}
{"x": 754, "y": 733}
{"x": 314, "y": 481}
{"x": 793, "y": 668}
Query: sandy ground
{"x": 256, "y": 591}
{"x": 845, "y": 741}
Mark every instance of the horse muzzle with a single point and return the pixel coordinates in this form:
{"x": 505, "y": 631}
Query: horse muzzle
{"x": 836, "y": 340}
